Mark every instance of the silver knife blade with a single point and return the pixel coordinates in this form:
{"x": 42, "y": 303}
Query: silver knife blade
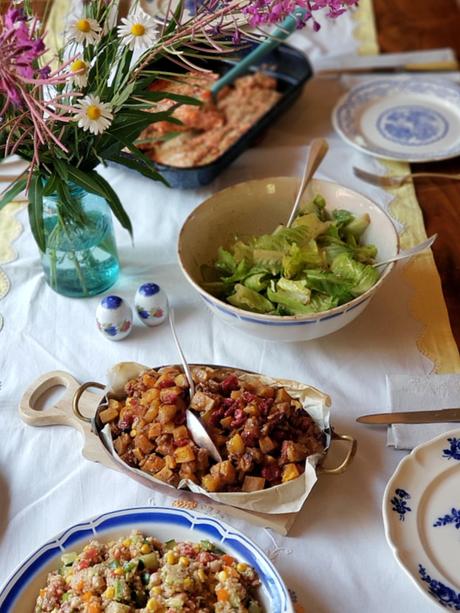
{"x": 411, "y": 417}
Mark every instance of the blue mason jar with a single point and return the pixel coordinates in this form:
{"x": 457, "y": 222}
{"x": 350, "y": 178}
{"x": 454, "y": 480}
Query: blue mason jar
{"x": 81, "y": 256}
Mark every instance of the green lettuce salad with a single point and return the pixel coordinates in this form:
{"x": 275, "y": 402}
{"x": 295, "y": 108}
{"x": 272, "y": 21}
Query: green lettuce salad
{"x": 315, "y": 265}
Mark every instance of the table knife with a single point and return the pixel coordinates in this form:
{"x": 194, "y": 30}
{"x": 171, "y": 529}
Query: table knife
{"x": 411, "y": 417}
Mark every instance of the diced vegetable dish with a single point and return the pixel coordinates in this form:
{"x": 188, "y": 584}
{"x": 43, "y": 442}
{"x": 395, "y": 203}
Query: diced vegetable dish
{"x": 315, "y": 265}
{"x": 264, "y": 435}
{"x": 139, "y": 574}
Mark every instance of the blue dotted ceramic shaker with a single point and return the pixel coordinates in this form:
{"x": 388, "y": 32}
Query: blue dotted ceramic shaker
{"x": 114, "y": 318}
{"x": 151, "y": 304}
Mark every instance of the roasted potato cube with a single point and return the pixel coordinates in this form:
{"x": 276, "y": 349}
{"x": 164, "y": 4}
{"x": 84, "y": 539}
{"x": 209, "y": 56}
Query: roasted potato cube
{"x": 268, "y": 392}
{"x": 202, "y": 459}
{"x": 122, "y": 443}
{"x": 150, "y": 396}
{"x": 181, "y": 381}
{"x": 169, "y": 395}
{"x": 236, "y": 444}
{"x": 180, "y": 432}
{"x": 165, "y": 444}
{"x": 225, "y": 422}
{"x": 252, "y": 484}
{"x": 235, "y": 394}
{"x": 212, "y": 483}
{"x": 251, "y": 410}
{"x": 202, "y": 402}
{"x": 166, "y": 413}
{"x": 282, "y": 395}
{"x": 184, "y": 454}
{"x": 151, "y": 413}
{"x": 143, "y": 443}
{"x": 108, "y": 415}
{"x": 166, "y": 475}
{"x": 170, "y": 462}
{"x": 225, "y": 470}
{"x": 292, "y": 452}
{"x": 266, "y": 444}
{"x": 138, "y": 454}
{"x": 166, "y": 379}
{"x": 153, "y": 463}
{"x": 149, "y": 380}
{"x": 169, "y": 427}
{"x": 154, "y": 430}
{"x": 290, "y": 471}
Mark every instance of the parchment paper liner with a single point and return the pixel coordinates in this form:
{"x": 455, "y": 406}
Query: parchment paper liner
{"x": 285, "y": 498}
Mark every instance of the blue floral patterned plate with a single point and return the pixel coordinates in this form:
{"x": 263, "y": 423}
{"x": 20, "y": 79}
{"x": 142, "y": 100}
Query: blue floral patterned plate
{"x": 421, "y": 513}
{"x": 412, "y": 119}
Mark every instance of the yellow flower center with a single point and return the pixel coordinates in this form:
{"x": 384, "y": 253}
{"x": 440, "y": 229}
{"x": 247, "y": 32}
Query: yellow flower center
{"x": 83, "y": 25}
{"x": 137, "y": 29}
{"x": 77, "y": 66}
{"x": 93, "y": 112}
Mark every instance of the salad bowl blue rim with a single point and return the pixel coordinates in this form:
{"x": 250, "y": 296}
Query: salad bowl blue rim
{"x": 210, "y": 527}
{"x": 344, "y": 111}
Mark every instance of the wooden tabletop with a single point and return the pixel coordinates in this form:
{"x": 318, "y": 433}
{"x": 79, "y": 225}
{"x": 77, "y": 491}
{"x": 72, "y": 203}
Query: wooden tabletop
{"x": 408, "y": 25}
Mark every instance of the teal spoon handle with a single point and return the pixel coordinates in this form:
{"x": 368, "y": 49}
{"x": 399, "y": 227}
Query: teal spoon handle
{"x": 277, "y": 36}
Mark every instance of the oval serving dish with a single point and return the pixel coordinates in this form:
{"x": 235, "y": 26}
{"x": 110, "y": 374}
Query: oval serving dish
{"x": 20, "y": 591}
{"x": 81, "y": 411}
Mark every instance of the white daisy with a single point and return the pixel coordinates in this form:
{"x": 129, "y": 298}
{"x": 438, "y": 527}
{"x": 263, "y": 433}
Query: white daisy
{"x": 79, "y": 70}
{"x": 85, "y": 31}
{"x": 139, "y": 30}
{"x": 93, "y": 115}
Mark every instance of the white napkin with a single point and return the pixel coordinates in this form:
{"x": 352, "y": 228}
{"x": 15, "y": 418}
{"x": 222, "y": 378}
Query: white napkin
{"x": 407, "y": 393}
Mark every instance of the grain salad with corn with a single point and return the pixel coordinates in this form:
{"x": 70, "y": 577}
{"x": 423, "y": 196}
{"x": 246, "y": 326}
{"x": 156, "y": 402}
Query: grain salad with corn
{"x": 139, "y": 574}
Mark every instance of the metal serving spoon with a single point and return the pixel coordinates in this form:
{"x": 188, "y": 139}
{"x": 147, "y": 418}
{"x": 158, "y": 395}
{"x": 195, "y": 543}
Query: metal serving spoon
{"x": 316, "y": 153}
{"x": 408, "y": 253}
{"x": 194, "y": 424}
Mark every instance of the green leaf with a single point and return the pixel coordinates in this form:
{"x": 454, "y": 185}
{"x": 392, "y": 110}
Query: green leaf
{"x": 16, "y": 188}
{"x": 93, "y": 182}
{"x": 148, "y": 170}
{"x": 36, "y": 211}
{"x": 175, "y": 20}
{"x": 157, "y": 96}
{"x": 50, "y": 186}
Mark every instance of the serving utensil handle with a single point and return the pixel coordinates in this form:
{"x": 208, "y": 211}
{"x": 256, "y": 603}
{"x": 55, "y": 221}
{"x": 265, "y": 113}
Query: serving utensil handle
{"x": 342, "y": 467}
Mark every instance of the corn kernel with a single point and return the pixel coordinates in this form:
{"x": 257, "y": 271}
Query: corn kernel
{"x": 188, "y": 583}
{"x": 109, "y": 593}
{"x": 153, "y": 605}
{"x": 156, "y": 589}
{"x": 133, "y": 433}
{"x": 127, "y": 542}
{"x": 201, "y": 575}
{"x": 171, "y": 557}
{"x": 241, "y": 567}
{"x": 184, "y": 561}
{"x": 146, "y": 548}
{"x": 222, "y": 576}
{"x": 118, "y": 571}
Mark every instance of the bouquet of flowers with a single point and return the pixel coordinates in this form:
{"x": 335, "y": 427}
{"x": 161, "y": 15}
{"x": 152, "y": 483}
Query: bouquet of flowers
{"x": 67, "y": 114}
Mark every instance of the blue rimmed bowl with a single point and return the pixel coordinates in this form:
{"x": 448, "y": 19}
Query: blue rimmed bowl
{"x": 258, "y": 207}
{"x": 21, "y": 590}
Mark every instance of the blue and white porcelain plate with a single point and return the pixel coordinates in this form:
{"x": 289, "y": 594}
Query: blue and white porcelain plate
{"x": 421, "y": 513}
{"x": 19, "y": 593}
{"x": 399, "y": 118}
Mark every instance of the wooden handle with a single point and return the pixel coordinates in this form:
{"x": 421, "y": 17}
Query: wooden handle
{"x": 61, "y": 412}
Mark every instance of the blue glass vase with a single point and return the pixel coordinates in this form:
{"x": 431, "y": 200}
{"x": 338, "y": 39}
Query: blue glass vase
{"x": 81, "y": 256}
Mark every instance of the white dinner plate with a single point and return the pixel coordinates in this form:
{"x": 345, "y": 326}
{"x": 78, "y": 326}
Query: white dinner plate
{"x": 399, "y": 118}
{"x": 421, "y": 514}
{"x": 19, "y": 593}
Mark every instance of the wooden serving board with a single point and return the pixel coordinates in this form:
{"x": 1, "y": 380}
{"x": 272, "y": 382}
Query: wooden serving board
{"x": 62, "y": 414}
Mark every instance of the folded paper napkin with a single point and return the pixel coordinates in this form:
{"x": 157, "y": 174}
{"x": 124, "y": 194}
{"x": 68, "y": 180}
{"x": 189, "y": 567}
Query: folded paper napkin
{"x": 420, "y": 393}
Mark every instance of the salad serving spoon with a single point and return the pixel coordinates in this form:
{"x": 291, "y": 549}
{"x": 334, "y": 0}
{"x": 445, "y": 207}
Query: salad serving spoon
{"x": 316, "y": 154}
{"x": 194, "y": 424}
{"x": 408, "y": 253}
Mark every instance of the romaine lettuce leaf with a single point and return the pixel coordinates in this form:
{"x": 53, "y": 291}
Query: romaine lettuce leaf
{"x": 361, "y": 277}
{"x": 311, "y": 224}
{"x": 298, "y": 259}
{"x": 299, "y": 290}
{"x": 248, "y": 299}
{"x": 258, "y": 281}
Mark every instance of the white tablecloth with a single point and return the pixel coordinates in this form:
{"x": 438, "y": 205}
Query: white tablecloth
{"x": 335, "y": 558}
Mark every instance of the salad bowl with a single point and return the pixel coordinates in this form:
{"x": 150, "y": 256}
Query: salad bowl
{"x": 258, "y": 207}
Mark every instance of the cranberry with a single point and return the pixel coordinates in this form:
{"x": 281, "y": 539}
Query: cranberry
{"x": 265, "y": 405}
{"x": 126, "y": 423}
{"x": 271, "y": 472}
{"x": 179, "y": 418}
{"x": 181, "y": 442}
{"x": 229, "y": 384}
{"x": 248, "y": 397}
{"x": 165, "y": 383}
{"x": 239, "y": 418}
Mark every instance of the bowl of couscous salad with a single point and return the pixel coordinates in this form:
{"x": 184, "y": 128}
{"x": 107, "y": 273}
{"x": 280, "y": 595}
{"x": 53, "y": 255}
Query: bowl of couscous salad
{"x": 143, "y": 560}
